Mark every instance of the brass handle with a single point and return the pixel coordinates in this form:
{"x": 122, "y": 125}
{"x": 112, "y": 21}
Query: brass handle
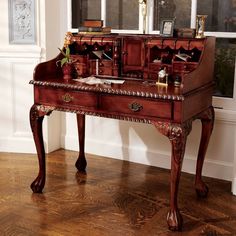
{"x": 135, "y": 107}
{"x": 67, "y": 98}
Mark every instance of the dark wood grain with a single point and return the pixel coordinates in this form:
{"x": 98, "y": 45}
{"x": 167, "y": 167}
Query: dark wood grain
{"x": 177, "y": 135}
{"x": 207, "y": 119}
{"x": 81, "y": 163}
{"x": 138, "y": 58}
{"x": 129, "y": 199}
{"x": 36, "y": 120}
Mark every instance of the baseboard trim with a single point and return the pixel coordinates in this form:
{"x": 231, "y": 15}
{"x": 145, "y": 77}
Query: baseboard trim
{"x": 234, "y": 186}
{"x": 212, "y": 168}
{"x": 17, "y": 144}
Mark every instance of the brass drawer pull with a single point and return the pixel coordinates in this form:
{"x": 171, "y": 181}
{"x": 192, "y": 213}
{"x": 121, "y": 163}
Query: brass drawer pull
{"x": 134, "y": 106}
{"x": 67, "y": 98}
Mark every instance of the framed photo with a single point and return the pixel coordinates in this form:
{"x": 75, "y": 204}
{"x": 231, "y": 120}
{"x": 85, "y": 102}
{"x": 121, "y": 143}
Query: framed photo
{"x": 167, "y": 27}
{"x": 22, "y": 22}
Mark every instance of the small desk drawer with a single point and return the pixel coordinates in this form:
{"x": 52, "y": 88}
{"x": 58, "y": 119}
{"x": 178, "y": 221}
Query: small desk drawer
{"x": 184, "y": 67}
{"x": 81, "y": 69}
{"x": 105, "y": 71}
{"x": 137, "y": 106}
{"x": 79, "y": 58}
{"x": 105, "y": 63}
{"x": 59, "y": 97}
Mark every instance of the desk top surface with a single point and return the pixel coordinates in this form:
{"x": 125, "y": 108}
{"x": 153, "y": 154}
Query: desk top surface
{"x": 131, "y": 87}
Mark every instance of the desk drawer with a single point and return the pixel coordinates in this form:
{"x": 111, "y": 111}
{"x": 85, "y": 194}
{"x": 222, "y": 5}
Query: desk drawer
{"x": 184, "y": 67}
{"x": 137, "y": 106}
{"x": 59, "y": 97}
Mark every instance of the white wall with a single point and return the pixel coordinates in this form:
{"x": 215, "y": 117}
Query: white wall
{"x": 16, "y": 66}
{"x": 142, "y": 143}
{"x": 17, "y": 63}
{"x": 135, "y": 142}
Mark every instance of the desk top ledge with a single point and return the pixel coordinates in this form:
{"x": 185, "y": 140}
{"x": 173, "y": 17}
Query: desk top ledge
{"x": 130, "y": 88}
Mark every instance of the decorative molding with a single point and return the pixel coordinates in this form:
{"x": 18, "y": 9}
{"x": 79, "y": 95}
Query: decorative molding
{"x": 84, "y": 87}
{"x": 47, "y": 109}
{"x": 22, "y": 22}
{"x": 177, "y": 134}
{"x": 16, "y": 51}
{"x": 18, "y": 144}
{"x": 225, "y": 116}
{"x": 234, "y": 186}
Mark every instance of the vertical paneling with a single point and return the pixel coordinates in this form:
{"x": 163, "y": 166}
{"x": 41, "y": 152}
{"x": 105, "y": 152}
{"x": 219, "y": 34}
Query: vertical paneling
{"x": 16, "y": 96}
{"x": 22, "y": 96}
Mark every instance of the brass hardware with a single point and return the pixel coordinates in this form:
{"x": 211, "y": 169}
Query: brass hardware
{"x": 67, "y": 40}
{"x": 200, "y": 26}
{"x": 134, "y": 106}
{"x": 67, "y": 98}
{"x": 162, "y": 77}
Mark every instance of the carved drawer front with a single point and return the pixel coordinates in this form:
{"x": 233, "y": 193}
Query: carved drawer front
{"x": 79, "y": 58}
{"x": 105, "y": 71}
{"x": 158, "y": 66}
{"x": 153, "y": 75}
{"x": 136, "y": 106}
{"x": 105, "y": 63}
{"x": 59, "y": 97}
{"x": 184, "y": 67}
{"x": 81, "y": 68}
{"x": 103, "y": 67}
{"x": 155, "y": 66}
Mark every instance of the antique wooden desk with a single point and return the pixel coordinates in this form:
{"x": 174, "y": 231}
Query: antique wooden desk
{"x": 137, "y": 59}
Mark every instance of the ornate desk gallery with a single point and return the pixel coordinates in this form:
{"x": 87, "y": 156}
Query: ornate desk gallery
{"x": 171, "y": 107}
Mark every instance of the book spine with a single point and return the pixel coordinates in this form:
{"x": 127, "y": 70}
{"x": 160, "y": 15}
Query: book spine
{"x": 93, "y": 23}
{"x": 90, "y": 29}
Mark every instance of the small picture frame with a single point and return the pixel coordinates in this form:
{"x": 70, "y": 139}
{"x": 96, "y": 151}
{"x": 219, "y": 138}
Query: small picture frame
{"x": 167, "y": 27}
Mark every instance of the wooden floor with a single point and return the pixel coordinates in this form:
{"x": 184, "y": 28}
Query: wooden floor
{"x": 115, "y": 198}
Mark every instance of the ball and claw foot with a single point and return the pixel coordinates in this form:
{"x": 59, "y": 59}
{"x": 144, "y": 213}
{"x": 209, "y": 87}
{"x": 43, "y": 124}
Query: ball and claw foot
{"x": 81, "y": 164}
{"x": 38, "y": 184}
{"x": 201, "y": 189}
{"x": 174, "y": 220}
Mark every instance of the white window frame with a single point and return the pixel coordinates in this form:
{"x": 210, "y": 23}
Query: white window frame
{"x": 103, "y": 17}
{"x": 218, "y": 102}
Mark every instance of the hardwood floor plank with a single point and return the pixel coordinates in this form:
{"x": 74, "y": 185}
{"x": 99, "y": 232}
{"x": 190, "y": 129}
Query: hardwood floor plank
{"x": 114, "y": 198}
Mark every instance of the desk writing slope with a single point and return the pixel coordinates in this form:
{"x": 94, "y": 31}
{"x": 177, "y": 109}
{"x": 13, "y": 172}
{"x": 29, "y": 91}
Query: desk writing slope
{"x": 136, "y": 59}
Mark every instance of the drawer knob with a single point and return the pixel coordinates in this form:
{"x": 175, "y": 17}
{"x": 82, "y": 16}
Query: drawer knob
{"x": 67, "y": 98}
{"x": 134, "y": 106}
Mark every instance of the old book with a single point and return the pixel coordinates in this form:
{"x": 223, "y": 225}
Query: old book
{"x": 185, "y": 33}
{"x": 93, "y": 23}
{"x": 106, "y": 29}
{"x": 89, "y": 29}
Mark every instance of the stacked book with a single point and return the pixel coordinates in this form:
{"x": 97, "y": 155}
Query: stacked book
{"x": 94, "y": 27}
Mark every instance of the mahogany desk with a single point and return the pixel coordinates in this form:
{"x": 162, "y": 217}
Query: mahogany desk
{"x": 170, "y": 109}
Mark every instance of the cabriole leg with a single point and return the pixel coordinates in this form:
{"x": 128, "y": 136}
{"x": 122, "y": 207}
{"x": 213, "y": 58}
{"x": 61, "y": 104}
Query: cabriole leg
{"x": 174, "y": 218}
{"x": 207, "y": 119}
{"x": 81, "y": 162}
{"x": 177, "y": 135}
{"x": 37, "y": 114}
